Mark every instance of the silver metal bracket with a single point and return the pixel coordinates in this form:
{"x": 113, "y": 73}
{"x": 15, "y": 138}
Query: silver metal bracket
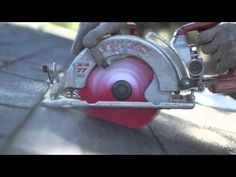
{"x": 63, "y": 102}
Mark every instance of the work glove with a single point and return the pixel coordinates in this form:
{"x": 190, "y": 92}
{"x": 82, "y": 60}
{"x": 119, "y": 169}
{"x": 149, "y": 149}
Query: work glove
{"x": 220, "y": 43}
{"x": 91, "y": 33}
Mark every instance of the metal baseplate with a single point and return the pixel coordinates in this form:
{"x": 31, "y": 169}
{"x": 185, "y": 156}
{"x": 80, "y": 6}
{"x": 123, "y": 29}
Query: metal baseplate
{"x": 63, "y": 102}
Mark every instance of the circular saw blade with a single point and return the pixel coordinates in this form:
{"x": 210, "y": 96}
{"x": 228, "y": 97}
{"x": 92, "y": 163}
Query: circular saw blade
{"x": 99, "y": 88}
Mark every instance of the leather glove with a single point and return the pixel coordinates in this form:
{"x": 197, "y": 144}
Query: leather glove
{"x": 220, "y": 43}
{"x": 91, "y": 33}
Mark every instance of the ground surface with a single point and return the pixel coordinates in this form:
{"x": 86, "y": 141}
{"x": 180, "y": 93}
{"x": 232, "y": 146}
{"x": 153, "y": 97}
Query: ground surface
{"x": 26, "y": 127}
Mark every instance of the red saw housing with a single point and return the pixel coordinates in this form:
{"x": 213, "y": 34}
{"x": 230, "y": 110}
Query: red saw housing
{"x": 124, "y": 80}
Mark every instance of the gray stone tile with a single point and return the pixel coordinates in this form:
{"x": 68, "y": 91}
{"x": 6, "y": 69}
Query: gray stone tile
{"x": 27, "y": 70}
{"x": 29, "y": 41}
{"x": 3, "y": 141}
{"x": 19, "y": 42}
{"x": 32, "y": 68}
{"x": 48, "y": 58}
{"x": 16, "y": 51}
{"x": 59, "y": 131}
{"x": 61, "y": 52}
{"x": 4, "y": 60}
{"x": 183, "y": 137}
{"x": 11, "y": 118}
{"x": 14, "y": 34}
{"x": 18, "y": 91}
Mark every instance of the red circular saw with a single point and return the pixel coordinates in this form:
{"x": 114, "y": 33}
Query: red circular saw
{"x": 128, "y": 79}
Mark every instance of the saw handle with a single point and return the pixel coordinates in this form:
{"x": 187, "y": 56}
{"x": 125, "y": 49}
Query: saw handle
{"x": 195, "y": 26}
{"x": 133, "y": 29}
{"x": 225, "y": 83}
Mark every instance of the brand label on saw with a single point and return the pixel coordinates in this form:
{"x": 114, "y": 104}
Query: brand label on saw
{"x": 81, "y": 68}
{"x": 115, "y": 46}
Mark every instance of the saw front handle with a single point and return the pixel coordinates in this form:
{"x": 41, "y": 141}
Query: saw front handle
{"x": 133, "y": 29}
{"x": 195, "y": 26}
{"x": 223, "y": 83}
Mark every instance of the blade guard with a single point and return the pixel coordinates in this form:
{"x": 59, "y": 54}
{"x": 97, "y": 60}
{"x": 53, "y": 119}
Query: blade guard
{"x": 166, "y": 65}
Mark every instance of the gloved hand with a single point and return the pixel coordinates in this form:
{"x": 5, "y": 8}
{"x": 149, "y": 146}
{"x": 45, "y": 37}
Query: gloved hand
{"x": 91, "y": 33}
{"x": 220, "y": 43}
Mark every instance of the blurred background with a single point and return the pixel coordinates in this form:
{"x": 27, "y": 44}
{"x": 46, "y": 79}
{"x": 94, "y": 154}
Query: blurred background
{"x": 165, "y": 29}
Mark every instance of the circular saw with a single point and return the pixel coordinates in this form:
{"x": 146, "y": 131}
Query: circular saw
{"x": 128, "y": 79}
